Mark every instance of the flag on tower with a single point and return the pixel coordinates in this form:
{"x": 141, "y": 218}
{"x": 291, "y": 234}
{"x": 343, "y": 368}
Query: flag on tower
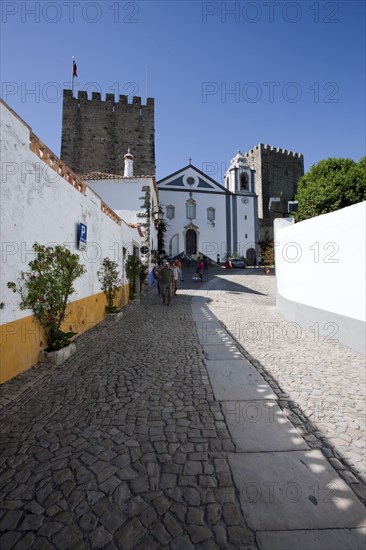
{"x": 74, "y": 68}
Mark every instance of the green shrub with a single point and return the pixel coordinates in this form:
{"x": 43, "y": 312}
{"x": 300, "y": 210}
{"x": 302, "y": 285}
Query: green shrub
{"x": 46, "y": 288}
{"x": 110, "y": 280}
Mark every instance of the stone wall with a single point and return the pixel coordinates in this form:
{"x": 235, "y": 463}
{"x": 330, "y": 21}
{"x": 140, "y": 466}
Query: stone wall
{"x": 96, "y": 134}
{"x": 277, "y": 174}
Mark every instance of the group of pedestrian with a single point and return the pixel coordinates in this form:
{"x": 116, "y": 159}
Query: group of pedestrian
{"x": 168, "y": 274}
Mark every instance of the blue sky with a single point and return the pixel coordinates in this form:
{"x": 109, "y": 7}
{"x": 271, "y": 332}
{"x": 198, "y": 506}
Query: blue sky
{"x": 296, "y": 71}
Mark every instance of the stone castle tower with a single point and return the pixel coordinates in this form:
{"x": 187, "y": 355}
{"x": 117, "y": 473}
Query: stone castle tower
{"x": 96, "y": 134}
{"x": 277, "y": 172}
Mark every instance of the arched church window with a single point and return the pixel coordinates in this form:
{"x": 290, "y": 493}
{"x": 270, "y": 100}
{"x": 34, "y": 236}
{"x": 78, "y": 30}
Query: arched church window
{"x": 170, "y": 212}
{"x": 244, "y": 181}
{"x": 191, "y": 209}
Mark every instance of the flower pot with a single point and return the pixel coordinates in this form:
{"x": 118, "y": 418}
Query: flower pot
{"x": 114, "y": 316}
{"x": 57, "y": 357}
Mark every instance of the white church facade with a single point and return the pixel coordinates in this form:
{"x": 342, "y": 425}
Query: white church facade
{"x": 206, "y": 218}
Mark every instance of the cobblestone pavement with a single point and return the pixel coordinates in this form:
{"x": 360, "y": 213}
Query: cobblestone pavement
{"x": 319, "y": 381}
{"x": 123, "y": 446}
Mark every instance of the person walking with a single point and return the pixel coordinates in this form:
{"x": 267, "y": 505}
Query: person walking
{"x": 157, "y": 270}
{"x": 166, "y": 282}
{"x": 180, "y": 265}
{"x": 176, "y": 272}
{"x": 228, "y": 264}
{"x": 200, "y": 268}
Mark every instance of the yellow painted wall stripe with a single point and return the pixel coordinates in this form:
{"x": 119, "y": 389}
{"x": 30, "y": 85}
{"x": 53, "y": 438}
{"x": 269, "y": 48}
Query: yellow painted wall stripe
{"x": 22, "y": 340}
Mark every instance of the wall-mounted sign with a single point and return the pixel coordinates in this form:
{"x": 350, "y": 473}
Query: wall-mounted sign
{"x": 144, "y": 250}
{"x": 83, "y": 234}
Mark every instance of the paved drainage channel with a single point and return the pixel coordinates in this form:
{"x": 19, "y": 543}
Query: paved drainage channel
{"x": 290, "y": 495}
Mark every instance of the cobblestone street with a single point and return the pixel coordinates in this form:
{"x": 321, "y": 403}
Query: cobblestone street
{"x": 321, "y": 378}
{"x": 125, "y": 445}
{"x": 122, "y": 447}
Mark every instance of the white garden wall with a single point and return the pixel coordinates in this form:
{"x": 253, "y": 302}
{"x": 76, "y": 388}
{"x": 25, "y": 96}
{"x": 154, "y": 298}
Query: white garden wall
{"x": 320, "y": 270}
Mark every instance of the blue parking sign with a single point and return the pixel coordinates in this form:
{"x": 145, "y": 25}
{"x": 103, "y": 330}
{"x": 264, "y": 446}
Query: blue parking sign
{"x": 83, "y": 232}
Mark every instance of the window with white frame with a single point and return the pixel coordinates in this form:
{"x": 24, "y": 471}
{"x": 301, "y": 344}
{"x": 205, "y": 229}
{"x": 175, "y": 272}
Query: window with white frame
{"x": 211, "y": 214}
{"x": 191, "y": 209}
{"x": 170, "y": 212}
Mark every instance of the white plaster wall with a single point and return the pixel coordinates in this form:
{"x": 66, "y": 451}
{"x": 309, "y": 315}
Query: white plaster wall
{"x": 321, "y": 262}
{"x": 211, "y": 240}
{"x": 245, "y": 226}
{"x": 39, "y": 205}
{"x": 123, "y": 196}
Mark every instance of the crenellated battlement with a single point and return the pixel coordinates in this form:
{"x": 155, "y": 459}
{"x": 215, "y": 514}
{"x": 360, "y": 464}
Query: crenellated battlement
{"x": 97, "y": 131}
{"x": 277, "y": 172}
{"x": 96, "y": 99}
{"x": 272, "y": 149}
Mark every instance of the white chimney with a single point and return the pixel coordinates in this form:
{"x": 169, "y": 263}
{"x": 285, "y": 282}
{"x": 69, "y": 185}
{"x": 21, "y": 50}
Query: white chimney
{"x": 128, "y": 165}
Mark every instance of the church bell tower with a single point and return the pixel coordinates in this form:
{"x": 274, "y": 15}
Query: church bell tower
{"x": 239, "y": 178}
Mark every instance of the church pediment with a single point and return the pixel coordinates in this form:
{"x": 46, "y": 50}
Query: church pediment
{"x": 190, "y": 178}
{"x": 178, "y": 182}
{"x": 202, "y": 184}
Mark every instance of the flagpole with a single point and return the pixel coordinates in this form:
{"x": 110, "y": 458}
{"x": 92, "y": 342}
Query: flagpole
{"x": 72, "y": 76}
{"x": 146, "y": 82}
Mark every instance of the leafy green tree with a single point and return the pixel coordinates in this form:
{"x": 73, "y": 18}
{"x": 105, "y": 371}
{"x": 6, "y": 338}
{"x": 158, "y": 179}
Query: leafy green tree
{"x": 330, "y": 185}
{"x": 135, "y": 270}
{"x": 46, "y": 289}
{"x": 267, "y": 252}
{"x": 110, "y": 281}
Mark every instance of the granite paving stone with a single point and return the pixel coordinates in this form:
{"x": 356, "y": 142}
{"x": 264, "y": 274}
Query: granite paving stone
{"x": 127, "y": 446}
{"x": 308, "y": 369}
{"x": 26, "y": 542}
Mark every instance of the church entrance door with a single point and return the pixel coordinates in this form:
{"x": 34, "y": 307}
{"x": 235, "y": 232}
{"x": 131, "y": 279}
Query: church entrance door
{"x": 251, "y": 256}
{"x": 191, "y": 242}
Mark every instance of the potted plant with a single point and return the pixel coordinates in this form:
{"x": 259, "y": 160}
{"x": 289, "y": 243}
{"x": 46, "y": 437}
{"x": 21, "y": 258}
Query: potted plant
{"x": 45, "y": 289}
{"x": 268, "y": 256}
{"x": 136, "y": 272}
{"x": 110, "y": 281}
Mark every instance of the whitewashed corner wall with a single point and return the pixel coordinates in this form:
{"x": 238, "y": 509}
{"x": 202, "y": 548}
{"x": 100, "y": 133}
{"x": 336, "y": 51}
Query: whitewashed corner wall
{"x": 43, "y": 201}
{"x": 124, "y": 196}
{"x": 320, "y": 272}
{"x": 39, "y": 205}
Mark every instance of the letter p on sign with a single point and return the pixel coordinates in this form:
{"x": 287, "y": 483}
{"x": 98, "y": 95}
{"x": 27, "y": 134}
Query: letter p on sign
{"x": 83, "y": 231}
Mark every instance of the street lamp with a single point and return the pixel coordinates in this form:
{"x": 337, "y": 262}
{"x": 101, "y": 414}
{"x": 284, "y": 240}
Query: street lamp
{"x": 158, "y": 214}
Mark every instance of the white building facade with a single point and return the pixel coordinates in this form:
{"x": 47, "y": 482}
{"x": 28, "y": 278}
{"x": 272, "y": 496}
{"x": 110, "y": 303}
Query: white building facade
{"x": 207, "y": 218}
{"x": 133, "y": 198}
